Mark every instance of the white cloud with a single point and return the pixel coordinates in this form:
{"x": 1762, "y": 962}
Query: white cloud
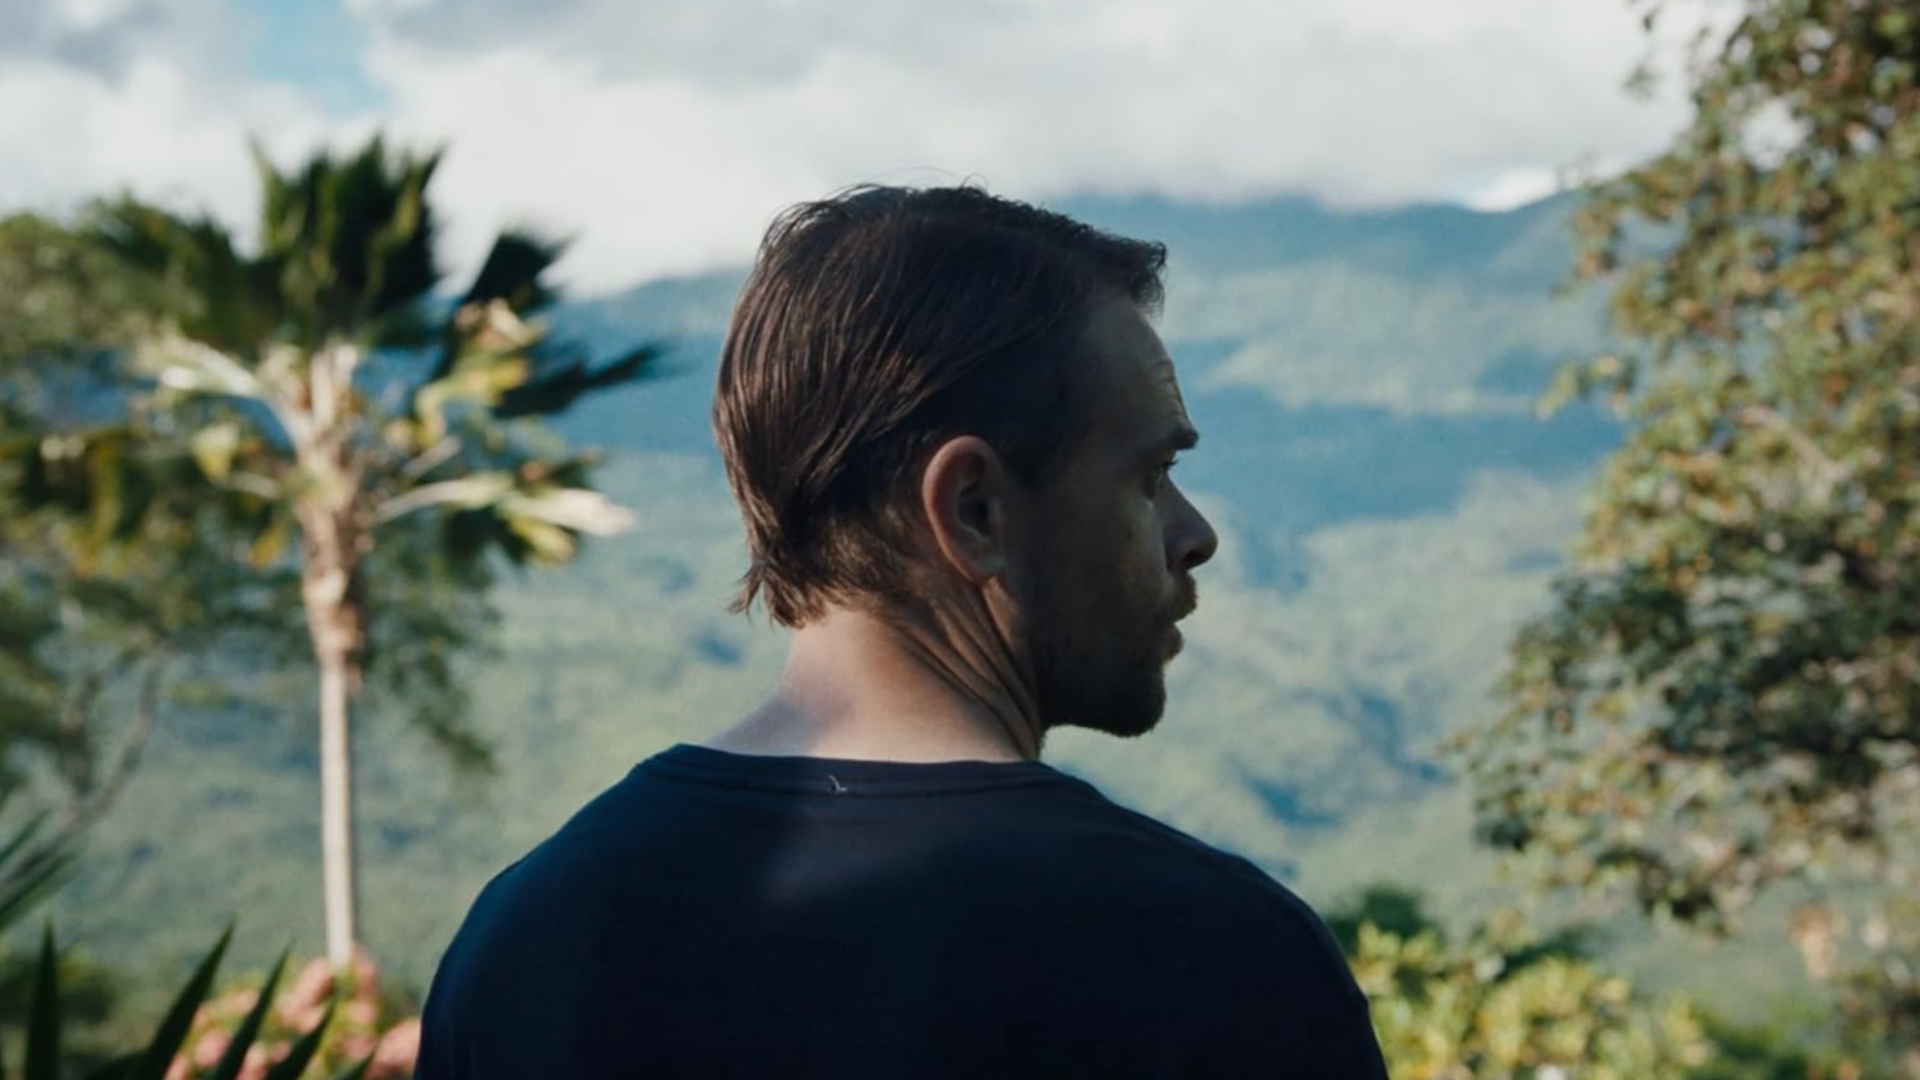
{"x": 151, "y": 96}
{"x": 664, "y": 135}
{"x": 1516, "y": 187}
{"x": 92, "y": 14}
{"x": 148, "y": 129}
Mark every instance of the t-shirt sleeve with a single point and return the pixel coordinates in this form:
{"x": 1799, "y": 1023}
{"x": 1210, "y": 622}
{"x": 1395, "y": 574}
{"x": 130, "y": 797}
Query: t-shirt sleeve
{"x": 438, "y": 1051}
{"x": 1349, "y": 1049}
{"x": 1321, "y": 1006}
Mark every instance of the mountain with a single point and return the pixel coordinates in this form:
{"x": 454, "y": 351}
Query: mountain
{"x": 1390, "y": 510}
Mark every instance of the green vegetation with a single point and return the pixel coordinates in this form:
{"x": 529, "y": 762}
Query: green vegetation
{"x": 1725, "y": 696}
{"x": 1504, "y": 1004}
{"x": 1331, "y": 654}
{"x": 105, "y": 606}
{"x": 254, "y": 394}
{"x": 1709, "y": 711}
{"x": 43, "y": 1010}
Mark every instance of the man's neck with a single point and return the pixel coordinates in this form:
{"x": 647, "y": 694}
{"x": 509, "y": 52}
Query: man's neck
{"x": 862, "y": 687}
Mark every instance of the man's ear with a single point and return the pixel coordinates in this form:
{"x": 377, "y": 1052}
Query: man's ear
{"x": 963, "y": 493}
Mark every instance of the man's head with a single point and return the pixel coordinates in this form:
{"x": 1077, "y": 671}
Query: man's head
{"x": 934, "y": 397}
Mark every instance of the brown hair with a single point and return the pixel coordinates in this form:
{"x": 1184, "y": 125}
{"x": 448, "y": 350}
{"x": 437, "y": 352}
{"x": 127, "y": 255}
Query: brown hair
{"x": 875, "y": 325}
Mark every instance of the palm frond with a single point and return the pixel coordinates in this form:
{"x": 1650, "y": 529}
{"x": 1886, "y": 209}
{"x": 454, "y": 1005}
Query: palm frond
{"x": 513, "y": 270}
{"x": 511, "y": 274}
{"x": 577, "y": 510}
{"x": 227, "y": 299}
{"x": 349, "y": 242}
{"x": 550, "y": 393}
{"x": 471, "y": 492}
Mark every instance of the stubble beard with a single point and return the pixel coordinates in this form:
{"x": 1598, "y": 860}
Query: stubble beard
{"x": 1087, "y": 677}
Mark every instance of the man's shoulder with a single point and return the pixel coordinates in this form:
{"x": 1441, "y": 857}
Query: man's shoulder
{"x": 1246, "y": 953}
{"x": 1151, "y": 846}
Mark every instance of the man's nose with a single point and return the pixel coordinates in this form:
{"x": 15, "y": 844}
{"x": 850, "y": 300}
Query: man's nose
{"x": 1193, "y": 540}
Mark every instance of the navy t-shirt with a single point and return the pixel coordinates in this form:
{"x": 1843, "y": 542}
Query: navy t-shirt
{"x": 718, "y": 915}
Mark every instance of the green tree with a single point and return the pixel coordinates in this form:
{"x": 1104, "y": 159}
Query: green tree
{"x": 102, "y": 612}
{"x": 1725, "y": 694}
{"x": 375, "y": 443}
{"x": 1393, "y": 909}
{"x": 1504, "y": 1002}
{"x": 1458, "y": 1012}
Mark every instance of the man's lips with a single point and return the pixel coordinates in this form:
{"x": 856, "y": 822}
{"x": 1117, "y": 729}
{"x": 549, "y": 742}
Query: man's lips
{"x": 1189, "y": 600}
{"x": 1175, "y": 639}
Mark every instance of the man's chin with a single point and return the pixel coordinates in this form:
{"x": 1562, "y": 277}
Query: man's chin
{"x": 1137, "y": 715}
{"x": 1119, "y": 729}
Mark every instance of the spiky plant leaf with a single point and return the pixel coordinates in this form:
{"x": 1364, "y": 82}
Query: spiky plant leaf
{"x": 230, "y": 1063}
{"x": 27, "y": 873}
{"x": 166, "y": 1041}
{"x": 303, "y": 1051}
{"x": 116, "y": 1069}
{"x": 11, "y": 848}
{"x": 43, "y": 1020}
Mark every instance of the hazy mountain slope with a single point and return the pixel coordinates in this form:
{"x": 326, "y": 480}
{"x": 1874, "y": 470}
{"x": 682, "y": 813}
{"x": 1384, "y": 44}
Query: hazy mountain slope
{"x": 1389, "y": 506}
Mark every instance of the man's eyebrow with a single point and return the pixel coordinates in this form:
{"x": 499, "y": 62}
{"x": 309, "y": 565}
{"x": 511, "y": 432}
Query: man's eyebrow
{"x": 1175, "y": 440}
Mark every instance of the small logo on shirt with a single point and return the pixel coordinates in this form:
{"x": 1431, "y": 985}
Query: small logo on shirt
{"x": 838, "y": 787}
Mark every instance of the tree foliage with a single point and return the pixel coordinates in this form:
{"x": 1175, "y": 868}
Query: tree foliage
{"x": 1725, "y": 694}
{"x": 1454, "y": 1012}
{"x": 1506, "y": 1002}
{"x": 107, "y": 605}
{"x": 365, "y": 445}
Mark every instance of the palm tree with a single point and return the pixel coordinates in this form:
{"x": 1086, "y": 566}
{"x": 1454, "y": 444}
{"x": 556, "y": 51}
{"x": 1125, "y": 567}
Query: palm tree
{"x": 320, "y": 381}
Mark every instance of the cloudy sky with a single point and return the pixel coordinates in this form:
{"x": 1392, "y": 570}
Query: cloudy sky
{"x": 664, "y": 133}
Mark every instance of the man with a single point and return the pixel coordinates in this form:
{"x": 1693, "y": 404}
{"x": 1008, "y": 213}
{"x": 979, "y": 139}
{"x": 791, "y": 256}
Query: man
{"x": 950, "y": 429}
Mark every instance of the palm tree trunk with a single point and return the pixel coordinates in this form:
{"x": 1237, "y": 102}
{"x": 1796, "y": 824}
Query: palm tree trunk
{"x": 336, "y": 540}
{"x": 336, "y": 618}
{"x": 336, "y": 810}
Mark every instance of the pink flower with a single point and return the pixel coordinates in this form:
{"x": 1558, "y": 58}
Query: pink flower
{"x": 255, "y": 1066}
{"x": 365, "y": 973}
{"x": 206, "y": 1053}
{"x": 309, "y": 994}
{"x": 235, "y": 1003}
{"x": 356, "y": 1046}
{"x": 398, "y": 1051}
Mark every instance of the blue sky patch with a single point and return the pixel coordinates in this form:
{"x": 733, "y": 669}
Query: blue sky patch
{"x": 317, "y": 46}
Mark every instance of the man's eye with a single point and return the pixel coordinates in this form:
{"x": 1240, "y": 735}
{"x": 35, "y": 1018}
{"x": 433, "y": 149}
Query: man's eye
{"x": 1159, "y": 478}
